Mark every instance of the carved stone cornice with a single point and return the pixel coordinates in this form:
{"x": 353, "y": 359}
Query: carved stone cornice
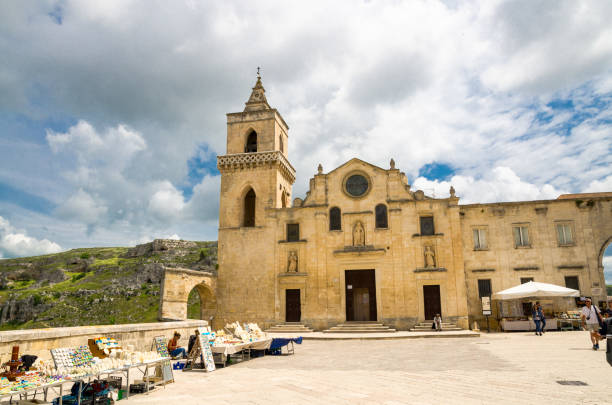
{"x": 242, "y": 161}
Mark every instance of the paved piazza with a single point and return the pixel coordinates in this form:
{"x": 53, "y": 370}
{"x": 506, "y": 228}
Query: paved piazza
{"x": 517, "y": 368}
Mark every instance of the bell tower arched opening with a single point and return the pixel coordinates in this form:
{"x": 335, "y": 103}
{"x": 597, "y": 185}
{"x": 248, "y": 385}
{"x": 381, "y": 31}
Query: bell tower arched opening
{"x": 249, "y": 209}
{"x": 251, "y": 143}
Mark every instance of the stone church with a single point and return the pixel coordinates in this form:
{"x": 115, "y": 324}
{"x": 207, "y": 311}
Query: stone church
{"x": 363, "y": 246}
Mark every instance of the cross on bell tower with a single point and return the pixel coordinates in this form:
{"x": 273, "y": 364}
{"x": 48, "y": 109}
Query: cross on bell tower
{"x": 255, "y": 172}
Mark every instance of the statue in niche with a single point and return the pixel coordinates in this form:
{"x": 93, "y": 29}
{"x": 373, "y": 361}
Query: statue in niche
{"x": 292, "y": 262}
{"x": 358, "y": 235}
{"x": 430, "y": 257}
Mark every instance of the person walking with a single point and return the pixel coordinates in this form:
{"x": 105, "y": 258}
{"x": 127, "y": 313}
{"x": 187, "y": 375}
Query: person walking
{"x": 542, "y": 317}
{"x": 590, "y": 316}
{"x": 537, "y": 316}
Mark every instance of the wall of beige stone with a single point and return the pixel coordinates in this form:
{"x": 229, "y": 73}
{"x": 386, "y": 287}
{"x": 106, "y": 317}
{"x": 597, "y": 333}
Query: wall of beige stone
{"x": 256, "y": 259}
{"x": 253, "y": 275}
{"x": 38, "y": 342}
{"x": 545, "y": 260}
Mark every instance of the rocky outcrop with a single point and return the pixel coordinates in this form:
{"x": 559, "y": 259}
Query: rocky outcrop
{"x": 160, "y": 245}
{"x": 21, "y": 310}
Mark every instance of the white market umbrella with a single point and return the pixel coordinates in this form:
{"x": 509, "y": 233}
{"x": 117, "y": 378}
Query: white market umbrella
{"x": 535, "y": 289}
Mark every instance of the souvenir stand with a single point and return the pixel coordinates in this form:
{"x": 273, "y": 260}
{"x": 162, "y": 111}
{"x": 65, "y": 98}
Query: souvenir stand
{"x": 27, "y": 384}
{"x": 236, "y": 339}
{"x": 78, "y": 365}
{"x": 514, "y": 302}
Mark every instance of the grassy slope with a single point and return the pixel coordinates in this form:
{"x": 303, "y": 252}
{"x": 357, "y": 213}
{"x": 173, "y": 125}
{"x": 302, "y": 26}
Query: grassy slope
{"x": 84, "y": 297}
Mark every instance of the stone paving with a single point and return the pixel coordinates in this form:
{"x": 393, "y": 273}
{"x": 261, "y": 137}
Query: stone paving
{"x": 513, "y": 368}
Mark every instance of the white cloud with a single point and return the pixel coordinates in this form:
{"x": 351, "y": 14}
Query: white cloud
{"x": 15, "y": 243}
{"x": 467, "y": 84}
{"x": 501, "y": 184}
{"x": 597, "y": 186}
{"x": 82, "y": 207}
{"x": 167, "y": 202}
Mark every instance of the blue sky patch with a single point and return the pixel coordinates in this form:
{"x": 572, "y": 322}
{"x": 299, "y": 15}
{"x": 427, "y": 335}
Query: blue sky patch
{"x": 25, "y": 200}
{"x": 204, "y": 162}
{"x": 57, "y": 14}
{"x": 436, "y": 171}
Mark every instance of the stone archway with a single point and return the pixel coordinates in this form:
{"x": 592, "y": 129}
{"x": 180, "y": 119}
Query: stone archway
{"x": 605, "y": 248}
{"x": 176, "y": 286}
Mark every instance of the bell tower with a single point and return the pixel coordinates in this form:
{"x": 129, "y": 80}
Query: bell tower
{"x": 255, "y": 172}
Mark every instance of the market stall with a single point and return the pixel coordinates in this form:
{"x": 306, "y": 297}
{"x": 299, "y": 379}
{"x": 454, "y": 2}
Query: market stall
{"x": 79, "y": 367}
{"x": 233, "y": 340}
{"x": 515, "y": 305}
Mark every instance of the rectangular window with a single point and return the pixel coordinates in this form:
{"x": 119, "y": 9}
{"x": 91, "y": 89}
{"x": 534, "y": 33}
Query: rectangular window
{"x": 526, "y": 279}
{"x": 480, "y": 239}
{"x": 564, "y": 234}
{"x": 521, "y": 236}
{"x": 484, "y": 288}
{"x": 427, "y": 226}
{"x": 293, "y": 232}
{"x": 572, "y": 282}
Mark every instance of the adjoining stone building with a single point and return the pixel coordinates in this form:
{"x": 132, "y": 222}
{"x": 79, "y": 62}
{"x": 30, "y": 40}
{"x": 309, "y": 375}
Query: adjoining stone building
{"x": 363, "y": 246}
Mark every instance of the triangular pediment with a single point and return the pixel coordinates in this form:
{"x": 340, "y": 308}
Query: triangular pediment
{"x": 356, "y": 161}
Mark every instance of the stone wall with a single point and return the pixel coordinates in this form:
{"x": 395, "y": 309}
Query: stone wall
{"x": 545, "y": 259}
{"x": 38, "y": 342}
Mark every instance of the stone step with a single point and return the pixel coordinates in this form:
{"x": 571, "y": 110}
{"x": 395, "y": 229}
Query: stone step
{"x": 289, "y": 327}
{"x": 376, "y": 328}
{"x": 386, "y": 330}
{"x": 288, "y": 331}
{"x": 429, "y": 329}
{"x": 360, "y": 327}
{"x": 430, "y": 322}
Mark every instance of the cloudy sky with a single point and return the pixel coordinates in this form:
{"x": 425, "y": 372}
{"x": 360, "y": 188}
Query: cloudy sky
{"x": 112, "y": 113}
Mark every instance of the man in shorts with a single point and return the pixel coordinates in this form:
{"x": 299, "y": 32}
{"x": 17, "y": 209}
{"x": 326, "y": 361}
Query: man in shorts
{"x": 590, "y": 321}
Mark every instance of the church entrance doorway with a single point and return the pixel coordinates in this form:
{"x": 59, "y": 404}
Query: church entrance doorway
{"x": 293, "y": 310}
{"x": 431, "y": 298}
{"x": 360, "y": 295}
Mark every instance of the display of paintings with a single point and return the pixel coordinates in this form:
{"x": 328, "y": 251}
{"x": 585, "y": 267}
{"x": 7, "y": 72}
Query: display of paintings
{"x": 160, "y": 345}
{"x": 206, "y": 351}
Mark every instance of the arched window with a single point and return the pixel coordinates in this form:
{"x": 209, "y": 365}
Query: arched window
{"x": 251, "y": 145}
{"x": 335, "y": 222}
{"x": 381, "y": 216}
{"x": 249, "y": 209}
{"x": 280, "y": 144}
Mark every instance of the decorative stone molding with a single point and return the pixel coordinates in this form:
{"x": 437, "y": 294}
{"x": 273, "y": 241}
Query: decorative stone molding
{"x": 482, "y": 270}
{"x": 570, "y": 266}
{"x": 293, "y": 275}
{"x": 360, "y": 250}
{"x": 429, "y": 270}
{"x": 241, "y": 161}
{"x": 418, "y": 235}
{"x": 526, "y": 268}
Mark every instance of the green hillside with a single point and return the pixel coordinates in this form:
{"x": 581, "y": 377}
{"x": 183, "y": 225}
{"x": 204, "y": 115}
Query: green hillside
{"x": 95, "y": 285}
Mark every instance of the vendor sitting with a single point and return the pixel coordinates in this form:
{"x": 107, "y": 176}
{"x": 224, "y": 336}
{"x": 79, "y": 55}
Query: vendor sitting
{"x": 173, "y": 348}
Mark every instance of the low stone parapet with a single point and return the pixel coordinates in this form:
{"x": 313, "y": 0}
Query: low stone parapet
{"x": 38, "y": 342}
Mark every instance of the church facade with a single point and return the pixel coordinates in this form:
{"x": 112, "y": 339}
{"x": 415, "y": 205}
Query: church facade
{"x": 363, "y": 246}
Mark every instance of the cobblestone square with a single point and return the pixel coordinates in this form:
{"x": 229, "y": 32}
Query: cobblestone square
{"x": 511, "y": 368}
